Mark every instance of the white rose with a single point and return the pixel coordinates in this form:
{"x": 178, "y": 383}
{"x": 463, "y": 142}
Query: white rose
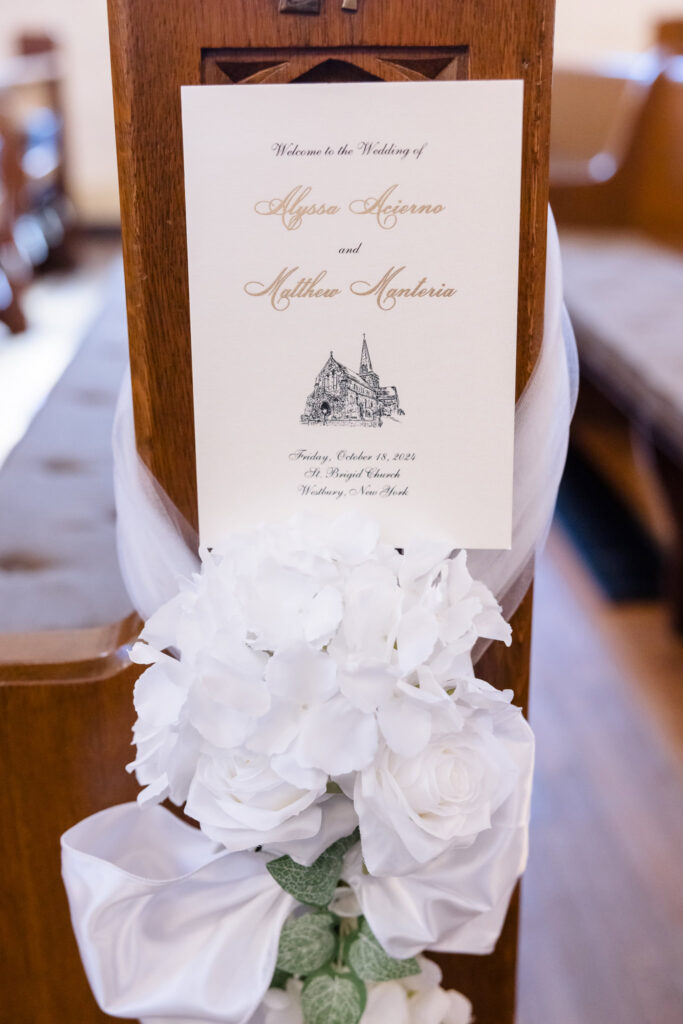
{"x": 457, "y": 902}
{"x": 241, "y": 802}
{"x": 413, "y": 808}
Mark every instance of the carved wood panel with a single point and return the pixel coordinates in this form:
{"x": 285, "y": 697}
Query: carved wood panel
{"x": 334, "y": 64}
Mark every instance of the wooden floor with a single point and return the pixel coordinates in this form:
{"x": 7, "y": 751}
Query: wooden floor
{"x": 602, "y": 924}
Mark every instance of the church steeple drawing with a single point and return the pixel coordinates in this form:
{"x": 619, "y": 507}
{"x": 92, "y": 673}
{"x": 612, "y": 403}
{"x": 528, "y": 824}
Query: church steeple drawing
{"x": 365, "y": 361}
{"x": 366, "y": 371}
{"x": 341, "y": 396}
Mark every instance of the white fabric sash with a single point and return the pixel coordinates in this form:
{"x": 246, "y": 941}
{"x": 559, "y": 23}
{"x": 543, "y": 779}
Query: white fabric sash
{"x": 168, "y": 924}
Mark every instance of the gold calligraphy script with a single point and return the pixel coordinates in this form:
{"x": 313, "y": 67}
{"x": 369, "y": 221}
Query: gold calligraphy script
{"x": 293, "y": 208}
{"x": 388, "y": 209}
{"x": 284, "y": 287}
{"x": 385, "y": 208}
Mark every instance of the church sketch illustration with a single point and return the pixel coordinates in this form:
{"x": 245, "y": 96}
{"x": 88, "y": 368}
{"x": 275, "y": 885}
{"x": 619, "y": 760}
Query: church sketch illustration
{"x": 342, "y": 396}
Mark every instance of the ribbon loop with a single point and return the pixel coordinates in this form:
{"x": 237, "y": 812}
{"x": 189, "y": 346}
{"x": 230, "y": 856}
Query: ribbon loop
{"x": 168, "y": 924}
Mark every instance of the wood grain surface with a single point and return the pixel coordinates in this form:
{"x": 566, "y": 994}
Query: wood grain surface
{"x": 66, "y": 713}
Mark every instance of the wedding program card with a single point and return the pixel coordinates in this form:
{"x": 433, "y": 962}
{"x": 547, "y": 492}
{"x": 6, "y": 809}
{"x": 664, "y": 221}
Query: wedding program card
{"x": 353, "y": 256}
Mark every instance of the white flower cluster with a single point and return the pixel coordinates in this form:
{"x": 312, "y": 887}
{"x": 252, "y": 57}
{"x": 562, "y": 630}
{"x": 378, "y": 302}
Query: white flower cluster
{"x": 310, "y": 659}
{"x": 416, "y": 1000}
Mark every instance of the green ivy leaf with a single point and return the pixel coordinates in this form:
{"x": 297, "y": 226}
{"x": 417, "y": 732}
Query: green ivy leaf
{"x": 307, "y": 943}
{"x": 333, "y": 997}
{"x": 279, "y": 979}
{"x": 368, "y": 960}
{"x": 313, "y": 885}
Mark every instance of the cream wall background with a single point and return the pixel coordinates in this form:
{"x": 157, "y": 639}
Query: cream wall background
{"x": 81, "y": 28}
{"x": 585, "y": 29}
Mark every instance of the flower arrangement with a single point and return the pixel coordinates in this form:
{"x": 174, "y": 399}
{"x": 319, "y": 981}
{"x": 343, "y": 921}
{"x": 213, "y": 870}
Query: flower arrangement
{"x": 311, "y": 659}
{"x": 310, "y": 694}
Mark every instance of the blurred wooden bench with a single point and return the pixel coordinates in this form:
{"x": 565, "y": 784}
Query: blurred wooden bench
{"x": 40, "y": 115}
{"x": 57, "y": 517}
{"x": 35, "y": 211}
{"x": 622, "y": 246}
{"x": 15, "y": 272}
{"x": 595, "y": 111}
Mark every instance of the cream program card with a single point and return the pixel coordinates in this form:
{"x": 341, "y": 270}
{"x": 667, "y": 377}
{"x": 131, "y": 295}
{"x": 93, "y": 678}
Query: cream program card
{"x": 353, "y": 258}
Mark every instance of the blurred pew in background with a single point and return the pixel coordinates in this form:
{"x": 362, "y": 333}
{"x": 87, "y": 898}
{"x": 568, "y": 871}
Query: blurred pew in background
{"x": 595, "y": 112}
{"x": 669, "y": 36}
{"x": 35, "y": 211}
{"x": 15, "y": 272}
{"x": 618, "y": 199}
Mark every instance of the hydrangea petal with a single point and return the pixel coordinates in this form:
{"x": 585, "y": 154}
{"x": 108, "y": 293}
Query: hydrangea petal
{"x": 302, "y": 675}
{"x": 371, "y": 619}
{"x": 274, "y": 731}
{"x": 491, "y": 624}
{"x": 459, "y": 579}
{"x": 158, "y": 701}
{"x": 246, "y": 695}
{"x": 288, "y": 768}
{"x": 417, "y": 634}
{"x": 324, "y": 615}
{"x": 337, "y": 738}
{"x": 367, "y": 687}
{"x": 459, "y": 619}
{"x": 421, "y": 557}
{"x": 353, "y": 538}
{"x": 222, "y": 726}
{"x": 406, "y": 726}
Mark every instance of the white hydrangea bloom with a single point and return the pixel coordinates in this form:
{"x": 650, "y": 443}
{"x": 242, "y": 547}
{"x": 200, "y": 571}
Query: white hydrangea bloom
{"x": 311, "y": 652}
